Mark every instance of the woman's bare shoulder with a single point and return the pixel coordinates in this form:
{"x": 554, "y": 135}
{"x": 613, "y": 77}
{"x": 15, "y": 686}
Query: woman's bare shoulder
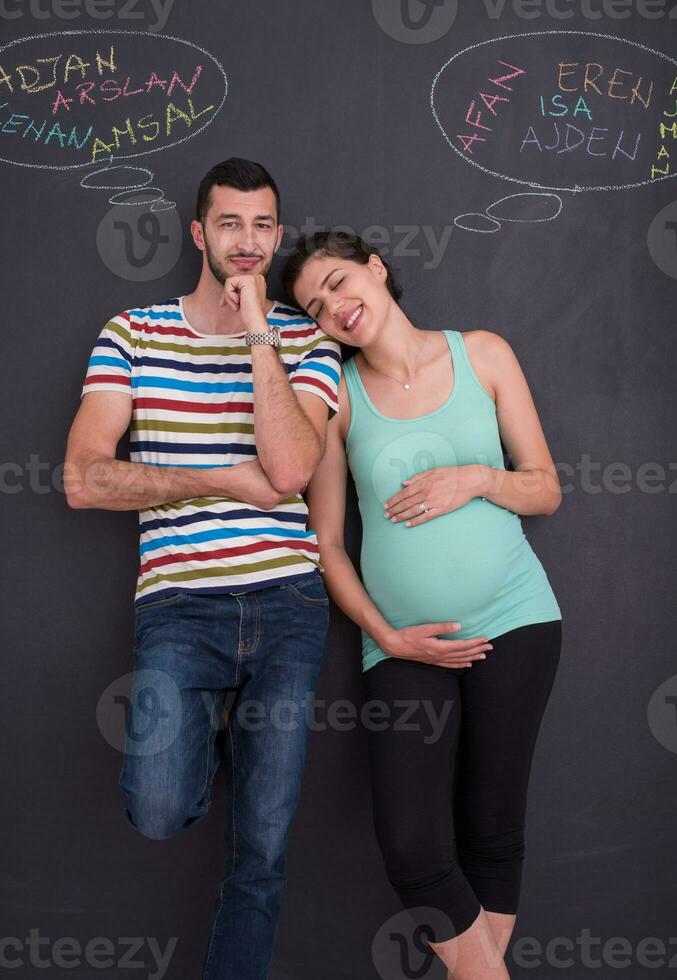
{"x": 487, "y": 352}
{"x": 485, "y": 343}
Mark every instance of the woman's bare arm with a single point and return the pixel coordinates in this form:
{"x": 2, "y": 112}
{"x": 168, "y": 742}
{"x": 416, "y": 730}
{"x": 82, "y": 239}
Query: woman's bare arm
{"x": 533, "y": 487}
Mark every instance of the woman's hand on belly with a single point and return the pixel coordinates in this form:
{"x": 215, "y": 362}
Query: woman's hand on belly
{"x": 423, "y": 643}
{"x": 442, "y": 489}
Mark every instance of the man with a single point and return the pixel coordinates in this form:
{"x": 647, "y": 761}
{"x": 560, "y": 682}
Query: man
{"x": 228, "y": 394}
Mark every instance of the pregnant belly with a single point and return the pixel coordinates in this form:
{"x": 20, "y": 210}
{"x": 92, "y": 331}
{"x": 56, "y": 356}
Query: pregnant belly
{"x": 452, "y": 567}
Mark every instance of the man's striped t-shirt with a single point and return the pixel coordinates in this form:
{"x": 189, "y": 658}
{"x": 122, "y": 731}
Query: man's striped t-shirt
{"x": 193, "y": 405}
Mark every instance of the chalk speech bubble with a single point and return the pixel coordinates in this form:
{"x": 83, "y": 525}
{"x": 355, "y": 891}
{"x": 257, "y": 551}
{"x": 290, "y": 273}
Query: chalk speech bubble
{"x": 74, "y": 98}
{"x": 561, "y": 110}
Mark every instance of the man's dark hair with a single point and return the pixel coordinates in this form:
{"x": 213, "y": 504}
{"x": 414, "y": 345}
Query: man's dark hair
{"x": 243, "y": 175}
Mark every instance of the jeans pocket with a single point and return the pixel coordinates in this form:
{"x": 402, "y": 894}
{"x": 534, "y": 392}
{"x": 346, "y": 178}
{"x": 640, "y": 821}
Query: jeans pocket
{"x": 310, "y": 590}
{"x": 167, "y": 600}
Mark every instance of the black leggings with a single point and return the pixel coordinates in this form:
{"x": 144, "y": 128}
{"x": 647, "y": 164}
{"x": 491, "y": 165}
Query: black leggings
{"x": 449, "y": 777}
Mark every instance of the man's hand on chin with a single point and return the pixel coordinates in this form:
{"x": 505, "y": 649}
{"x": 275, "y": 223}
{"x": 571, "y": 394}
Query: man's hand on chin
{"x": 246, "y": 294}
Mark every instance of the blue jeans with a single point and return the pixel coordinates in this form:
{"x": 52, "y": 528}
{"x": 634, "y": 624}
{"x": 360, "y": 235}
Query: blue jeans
{"x": 256, "y": 654}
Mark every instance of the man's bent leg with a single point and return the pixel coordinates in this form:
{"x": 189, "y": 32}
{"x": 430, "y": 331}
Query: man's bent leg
{"x": 183, "y": 661}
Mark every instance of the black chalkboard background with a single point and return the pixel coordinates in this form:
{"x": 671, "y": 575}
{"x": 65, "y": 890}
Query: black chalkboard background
{"x": 335, "y": 100}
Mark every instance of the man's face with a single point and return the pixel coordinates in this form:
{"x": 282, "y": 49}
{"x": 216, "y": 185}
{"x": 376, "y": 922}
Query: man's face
{"x": 240, "y": 231}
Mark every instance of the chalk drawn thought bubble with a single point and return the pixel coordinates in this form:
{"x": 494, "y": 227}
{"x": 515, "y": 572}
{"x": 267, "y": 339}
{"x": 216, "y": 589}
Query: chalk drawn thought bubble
{"x": 75, "y": 98}
{"x": 561, "y": 110}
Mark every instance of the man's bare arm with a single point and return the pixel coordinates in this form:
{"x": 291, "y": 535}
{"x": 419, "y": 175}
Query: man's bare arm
{"x": 94, "y": 478}
{"x": 289, "y": 443}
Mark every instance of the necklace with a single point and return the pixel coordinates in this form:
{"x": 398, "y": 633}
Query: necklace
{"x": 405, "y": 384}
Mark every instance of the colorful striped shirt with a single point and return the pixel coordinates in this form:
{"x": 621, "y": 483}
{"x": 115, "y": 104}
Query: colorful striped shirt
{"x": 193, "y": 405}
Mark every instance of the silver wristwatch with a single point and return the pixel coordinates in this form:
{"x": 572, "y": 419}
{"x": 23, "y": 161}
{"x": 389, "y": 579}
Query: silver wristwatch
{"x": 272, "y": 337}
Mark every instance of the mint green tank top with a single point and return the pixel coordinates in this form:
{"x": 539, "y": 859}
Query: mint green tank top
{"x": 473, "y": 565}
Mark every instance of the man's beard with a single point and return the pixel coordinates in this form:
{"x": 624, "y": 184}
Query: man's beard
{"x": 218, "y": 270}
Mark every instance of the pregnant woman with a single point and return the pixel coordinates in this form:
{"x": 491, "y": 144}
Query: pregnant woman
{"x": 456, "y": 611}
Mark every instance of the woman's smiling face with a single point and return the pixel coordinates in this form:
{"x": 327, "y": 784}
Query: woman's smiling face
{"x": 349, "y": 300}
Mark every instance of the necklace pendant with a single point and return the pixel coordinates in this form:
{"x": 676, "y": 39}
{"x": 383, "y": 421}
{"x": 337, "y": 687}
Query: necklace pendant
{"x": 407, "y": 387}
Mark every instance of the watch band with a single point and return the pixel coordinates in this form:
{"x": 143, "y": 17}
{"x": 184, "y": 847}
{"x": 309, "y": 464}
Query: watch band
{"x": 272, "y": 337}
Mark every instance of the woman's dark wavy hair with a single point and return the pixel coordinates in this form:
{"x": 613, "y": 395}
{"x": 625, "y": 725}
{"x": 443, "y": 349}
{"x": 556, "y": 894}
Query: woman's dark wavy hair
{"x": 338, "y": 244}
